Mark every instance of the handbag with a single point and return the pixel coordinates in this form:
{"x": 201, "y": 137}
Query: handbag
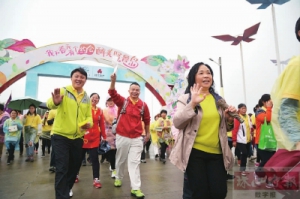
{"x": 267, "y": 140}
{"x": 46, "y": 135}
{"x": 103, "y": 147}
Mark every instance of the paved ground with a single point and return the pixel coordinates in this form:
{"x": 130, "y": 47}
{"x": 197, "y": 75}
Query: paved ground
{"x": 22, "y": 180}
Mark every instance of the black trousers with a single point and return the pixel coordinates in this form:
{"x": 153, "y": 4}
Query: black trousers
{"x": 237, "y": 153}
{"x": 163, "y": 148}
{"x": 148, "y": 145}
{"x": 46, "y": 142}
{"x": 206, "y": 175}
{"x": 68, "y": 160}
{"x": 52, "y": 160}
{"x": 257, "y": 155}
{"x": 111, "y": 154}
{"x": 187, "y": 192}
{"x": 264, "y": 156}
{"x": 36, "y": 146}
{"x": 244, "y": 149}
{"x": 11, "y": 152}
{"x": 94, "y": 157}
{"x": 143, "y": 155}
{"x": 21, "y": 144}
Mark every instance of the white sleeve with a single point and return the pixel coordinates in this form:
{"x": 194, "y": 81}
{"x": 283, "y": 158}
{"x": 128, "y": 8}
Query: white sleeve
{"x": 39, "y": 128}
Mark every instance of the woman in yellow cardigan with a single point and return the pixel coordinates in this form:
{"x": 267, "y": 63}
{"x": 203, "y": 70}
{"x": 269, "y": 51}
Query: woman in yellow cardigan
{"x": 154, "y": 136}
{"x": 32, "y": 125}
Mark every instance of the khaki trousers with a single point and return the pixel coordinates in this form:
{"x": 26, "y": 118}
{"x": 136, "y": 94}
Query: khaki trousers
{"x": 129, "y": 149}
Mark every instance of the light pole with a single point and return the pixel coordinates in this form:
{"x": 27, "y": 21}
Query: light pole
{"x": 264, "y": 5}
{"x": 221, "y": 78}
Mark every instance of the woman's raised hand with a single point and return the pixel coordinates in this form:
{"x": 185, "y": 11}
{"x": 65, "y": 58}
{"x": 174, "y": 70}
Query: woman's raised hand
{"x": 196, "y": 91}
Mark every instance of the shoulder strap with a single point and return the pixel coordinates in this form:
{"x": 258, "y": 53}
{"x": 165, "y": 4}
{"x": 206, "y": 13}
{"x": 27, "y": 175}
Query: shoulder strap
{"x": 143, "y": 108}
{"x": 123, "y": 110}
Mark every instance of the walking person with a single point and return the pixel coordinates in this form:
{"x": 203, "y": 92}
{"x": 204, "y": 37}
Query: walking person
{"x": 143, "y": 155}
{"x": 129, "y": 141}
{"x": 93, "y": 137}
{"x": 21, "y": 142}
{"x": 154, "y": 137}
{"x": 262, "y": 114}
{"x": 45, "y": 136}
{"x": 110, "y": 114}
{"x": 3, "y": 117}
{"x": 241, "y": 136}
{"x": 12, "y": 128}
{"x": 32, "y": 126}
{"x": 253, "y": 120}
{"x": 73, "y": 119}
{"x": 163, "y": 129}
{"x": 50, "y": 121}
{"x": 201, "y": 148}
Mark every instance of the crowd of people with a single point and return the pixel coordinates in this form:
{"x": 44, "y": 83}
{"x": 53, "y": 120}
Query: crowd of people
{"x": 75, "y": 125}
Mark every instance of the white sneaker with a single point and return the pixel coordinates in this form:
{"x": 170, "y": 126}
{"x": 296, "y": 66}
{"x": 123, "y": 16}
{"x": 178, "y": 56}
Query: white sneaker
{"x": 113, "y": 174}
{"x": 71, "y": 193}
{"x": 257, "y": 180}
{"x": 244, "y": 173}
{"x": 269, "y": 185}
{"x": 110, "y": 168}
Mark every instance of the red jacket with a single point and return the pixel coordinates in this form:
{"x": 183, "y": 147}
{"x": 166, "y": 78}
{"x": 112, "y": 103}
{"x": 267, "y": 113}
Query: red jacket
{"x": 130, "y": 124}
{"x": 93, "y": 136}
{"x": 236, "y": 126}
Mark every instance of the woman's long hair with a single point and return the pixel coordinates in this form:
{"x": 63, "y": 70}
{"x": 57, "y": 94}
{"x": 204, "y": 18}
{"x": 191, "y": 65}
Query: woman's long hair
{"x": 28, "y": 113}
{"x": 192, "y": 74}
{"x": 45, "y": 118}
{"x": 264, "y": 98}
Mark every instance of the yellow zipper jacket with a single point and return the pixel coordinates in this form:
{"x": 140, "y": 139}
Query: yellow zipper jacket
{"x": 71, "y": 114}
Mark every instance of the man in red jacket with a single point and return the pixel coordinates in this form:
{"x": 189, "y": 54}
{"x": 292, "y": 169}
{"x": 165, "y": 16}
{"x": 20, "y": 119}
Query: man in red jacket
{"x": 129, "y": 139}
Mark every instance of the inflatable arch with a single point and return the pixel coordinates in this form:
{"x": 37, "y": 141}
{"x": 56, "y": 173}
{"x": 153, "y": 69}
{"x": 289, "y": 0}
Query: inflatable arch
{"x": 159, "y": 73}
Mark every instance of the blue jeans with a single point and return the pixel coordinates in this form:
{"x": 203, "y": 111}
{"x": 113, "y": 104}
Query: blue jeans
{"x": 29, "y": 136}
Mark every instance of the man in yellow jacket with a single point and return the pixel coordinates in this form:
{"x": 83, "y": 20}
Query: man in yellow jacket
{"x": 72, "y": 119}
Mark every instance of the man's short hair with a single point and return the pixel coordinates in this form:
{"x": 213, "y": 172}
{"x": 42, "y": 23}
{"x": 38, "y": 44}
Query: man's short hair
{"x": 80, "y": 70}
{"x": 1, "y": 107}
{"x": 297, "y": 29}
{"x": 134, "y": 83}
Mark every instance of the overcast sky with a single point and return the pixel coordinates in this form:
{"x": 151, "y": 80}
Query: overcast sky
{"x": 168, "y": 28}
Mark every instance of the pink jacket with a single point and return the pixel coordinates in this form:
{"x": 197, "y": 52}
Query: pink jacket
{"x": 187, "y": 121}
